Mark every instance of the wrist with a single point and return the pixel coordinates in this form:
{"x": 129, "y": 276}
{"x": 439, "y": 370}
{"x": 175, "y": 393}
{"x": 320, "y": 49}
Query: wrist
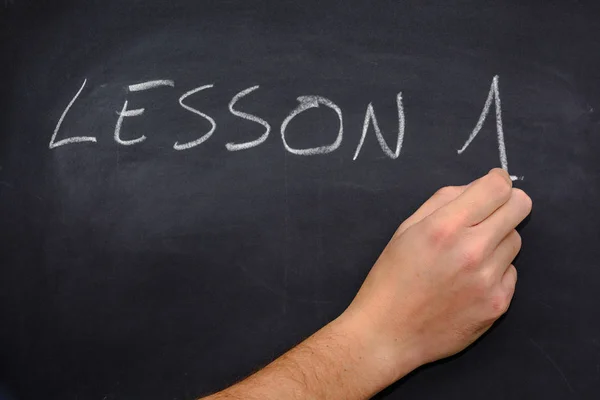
{"x": 383, "y": 359}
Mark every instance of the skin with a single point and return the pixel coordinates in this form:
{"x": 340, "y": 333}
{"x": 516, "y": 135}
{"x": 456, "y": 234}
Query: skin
{"x": 443, "y": 279}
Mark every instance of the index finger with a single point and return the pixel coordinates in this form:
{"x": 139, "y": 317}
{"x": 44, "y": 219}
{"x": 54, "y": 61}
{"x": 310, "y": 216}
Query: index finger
{"x": 481, "y": 199}
{"x": 440, "y": 198}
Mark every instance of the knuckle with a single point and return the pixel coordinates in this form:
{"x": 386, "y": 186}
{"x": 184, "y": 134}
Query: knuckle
{"x": 472, "y": 256}
{"x": 499, "y": 304}
{"x": 440, "y": 233}
{"x": 487, "y": 279}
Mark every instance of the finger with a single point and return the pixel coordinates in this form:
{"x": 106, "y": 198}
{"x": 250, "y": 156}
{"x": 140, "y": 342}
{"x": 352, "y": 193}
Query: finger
{"x": 481, "y": 199}
{"x": 501, "y": 258}
{"x": 504, "y": 291}
{"x": 439, "y": 199}
{"x": 505, "y": 219}
{"x": 509, "y": 280}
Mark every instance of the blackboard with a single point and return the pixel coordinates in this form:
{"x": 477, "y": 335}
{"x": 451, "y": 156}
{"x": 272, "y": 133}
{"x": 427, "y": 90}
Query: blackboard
{"x": 162, "y": 261}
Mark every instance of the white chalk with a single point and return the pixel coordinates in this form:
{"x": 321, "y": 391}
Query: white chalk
{"x": 123, "y": 114}
{"x": 493, "y": 96}
{"x": 75, "y": 139}
{"x": 205, "y": 137}
{"x": 370, "y": 116}
{"x": 250, "y": 117}
{"x": 307, "y": 102}
{"x": 138, "y": 87}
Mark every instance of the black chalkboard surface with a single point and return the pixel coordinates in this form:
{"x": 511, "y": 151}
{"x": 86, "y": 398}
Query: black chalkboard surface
{"x": 188, "y": 189}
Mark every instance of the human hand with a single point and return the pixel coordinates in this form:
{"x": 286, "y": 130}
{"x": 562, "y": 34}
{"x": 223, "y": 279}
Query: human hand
{"x": 444, "y": 277}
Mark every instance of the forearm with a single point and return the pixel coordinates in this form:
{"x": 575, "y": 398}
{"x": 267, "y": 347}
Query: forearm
{"x": 340, "y": 361}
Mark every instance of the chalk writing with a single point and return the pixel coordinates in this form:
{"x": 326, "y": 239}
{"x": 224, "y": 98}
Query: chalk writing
{"x": 138, "y": 87}
{"x": 493, "y": 95}
{"x": 305, "y": 104}
{"x": 207, "y": 135}
{"x": 249, "y": 117}
{"x": 370, "y": 116}
{"x": 123, "y": 114}
{"x": 308, "y": 102}
{"x": 76, "y": 139}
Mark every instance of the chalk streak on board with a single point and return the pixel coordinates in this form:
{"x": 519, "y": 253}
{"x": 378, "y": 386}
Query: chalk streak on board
{"x": 308, "y": 102}
{"x": 138, "y": 87}
{"x": 122, "y": 115}
{"x": 554, "y": 364}
{"x": 370, "y": 116}
{"x": 250, "y": 117}
{"x": 493, "y": 96}
{"x": 75, "y": 139}
{"x": 207, "y": 135}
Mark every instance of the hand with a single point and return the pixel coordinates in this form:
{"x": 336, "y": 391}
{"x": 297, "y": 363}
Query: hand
{"x": 445, "y": 276}
{"x": 440, "y": 283}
